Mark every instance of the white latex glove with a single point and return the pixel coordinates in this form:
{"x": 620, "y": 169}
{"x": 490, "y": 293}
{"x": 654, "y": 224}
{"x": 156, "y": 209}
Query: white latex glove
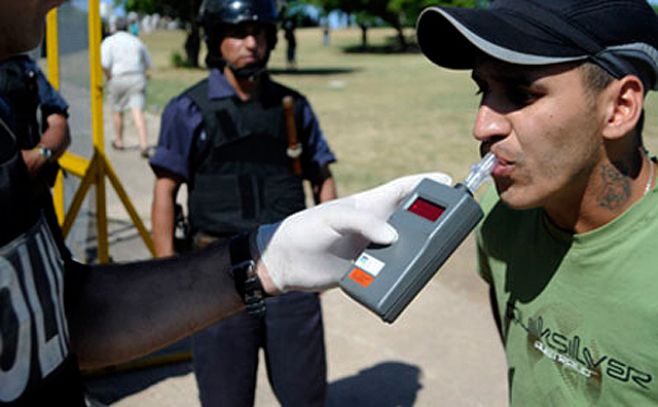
{"x": 311, "y": 250}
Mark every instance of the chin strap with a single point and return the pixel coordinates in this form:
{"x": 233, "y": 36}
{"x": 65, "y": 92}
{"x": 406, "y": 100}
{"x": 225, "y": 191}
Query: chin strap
{"x": 251, "y": 72}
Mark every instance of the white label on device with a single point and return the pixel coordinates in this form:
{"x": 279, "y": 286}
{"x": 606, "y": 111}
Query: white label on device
{"x": 370, "y": 264}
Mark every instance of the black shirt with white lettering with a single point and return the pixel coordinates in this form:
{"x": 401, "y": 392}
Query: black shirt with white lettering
{"x": 38, "y": 281}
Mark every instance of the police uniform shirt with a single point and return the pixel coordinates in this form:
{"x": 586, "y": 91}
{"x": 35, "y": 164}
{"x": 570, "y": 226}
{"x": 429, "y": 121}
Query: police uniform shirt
{"x": 45, "y": 97}
{"x": 50, "y": 101}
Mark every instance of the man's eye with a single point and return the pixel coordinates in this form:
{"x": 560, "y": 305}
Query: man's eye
{"x": 243, "y": 31}
{"x": 521, "y": 96}
{"x": 239, "y": 33}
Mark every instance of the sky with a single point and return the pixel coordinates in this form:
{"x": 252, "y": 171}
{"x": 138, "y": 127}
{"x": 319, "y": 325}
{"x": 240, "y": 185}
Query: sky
{"x": 82, "y": 4}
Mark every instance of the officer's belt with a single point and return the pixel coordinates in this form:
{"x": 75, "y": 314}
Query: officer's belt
{"x": 201, "y": 240}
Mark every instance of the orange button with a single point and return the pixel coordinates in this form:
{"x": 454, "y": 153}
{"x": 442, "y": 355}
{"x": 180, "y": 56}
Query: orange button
{"x": 361, "y": 277}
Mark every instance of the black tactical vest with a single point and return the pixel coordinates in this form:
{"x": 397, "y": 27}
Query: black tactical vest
{"x": 18, "y": 209}
{"x": 241, "y": 176}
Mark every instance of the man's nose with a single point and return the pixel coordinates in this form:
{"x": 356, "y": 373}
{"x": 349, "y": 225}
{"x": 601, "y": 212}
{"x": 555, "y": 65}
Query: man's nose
{"x": 250, "y": 40}
{"x": 490, "y": 124}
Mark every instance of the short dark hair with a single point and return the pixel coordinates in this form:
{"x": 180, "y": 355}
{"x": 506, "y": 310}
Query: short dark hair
{"x": 121, "y": 24}
{"x": 595, "y": 78}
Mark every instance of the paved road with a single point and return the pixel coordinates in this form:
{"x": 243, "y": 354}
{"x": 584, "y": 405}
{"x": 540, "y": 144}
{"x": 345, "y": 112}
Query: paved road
{"x": 443, "y": 351}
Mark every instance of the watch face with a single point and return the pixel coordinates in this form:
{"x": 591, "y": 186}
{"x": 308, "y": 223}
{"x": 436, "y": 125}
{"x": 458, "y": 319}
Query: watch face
{"x": 46, "y": 152}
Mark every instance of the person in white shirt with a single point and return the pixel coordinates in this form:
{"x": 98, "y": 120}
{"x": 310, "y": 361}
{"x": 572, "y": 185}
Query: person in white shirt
{"x": 125, "y": 61}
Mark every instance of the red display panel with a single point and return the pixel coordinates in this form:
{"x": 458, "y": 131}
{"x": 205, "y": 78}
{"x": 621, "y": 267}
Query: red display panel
{"x": 426, "y": 209}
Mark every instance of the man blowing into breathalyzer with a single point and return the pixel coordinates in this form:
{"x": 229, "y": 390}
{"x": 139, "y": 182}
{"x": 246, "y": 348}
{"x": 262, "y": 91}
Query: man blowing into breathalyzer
{"x": 569, "y": 243}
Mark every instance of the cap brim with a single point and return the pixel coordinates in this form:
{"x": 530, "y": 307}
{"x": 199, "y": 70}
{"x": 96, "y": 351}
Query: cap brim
{"x": 451, "y": 37}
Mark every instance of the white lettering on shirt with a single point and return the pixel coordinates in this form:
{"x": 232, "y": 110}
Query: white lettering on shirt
{"x": 31, "y": 295}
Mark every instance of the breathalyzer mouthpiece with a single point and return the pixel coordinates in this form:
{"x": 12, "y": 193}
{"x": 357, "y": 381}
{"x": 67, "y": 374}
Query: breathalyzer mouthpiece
{"x": 480, "y": 172}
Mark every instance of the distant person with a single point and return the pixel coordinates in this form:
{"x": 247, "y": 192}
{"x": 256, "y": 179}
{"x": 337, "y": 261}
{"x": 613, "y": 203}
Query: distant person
{"x": 147, "y": 23}
{"x": 125, "y": 61}
{"x": 291, "y": 43}
{"x": 326, "y": 38}
{"x": 193, "y": 46}
{"x": 156, "y": 22}
{"x": 226, "y": 138}
{"x": 133, "y": 23}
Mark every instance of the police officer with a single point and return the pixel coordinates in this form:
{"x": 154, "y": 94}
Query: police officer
{"x": 56, "y": 315}
{"x": 227, "y": 139}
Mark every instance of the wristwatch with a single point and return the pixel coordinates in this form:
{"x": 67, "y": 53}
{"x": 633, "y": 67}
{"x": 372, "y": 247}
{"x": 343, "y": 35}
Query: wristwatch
{"x": 243, "y": 271}
{"x": 45, "y": 152}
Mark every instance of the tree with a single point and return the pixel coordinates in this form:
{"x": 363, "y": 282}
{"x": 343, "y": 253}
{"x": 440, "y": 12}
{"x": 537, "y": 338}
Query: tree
{"x": 184, "y": 10}
{"x": 365, "y": 21}
{"x": 396, "y": 13}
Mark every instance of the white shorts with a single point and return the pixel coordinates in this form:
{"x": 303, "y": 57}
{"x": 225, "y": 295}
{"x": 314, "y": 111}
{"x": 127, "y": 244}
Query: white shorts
{"x": 127, "y": 92}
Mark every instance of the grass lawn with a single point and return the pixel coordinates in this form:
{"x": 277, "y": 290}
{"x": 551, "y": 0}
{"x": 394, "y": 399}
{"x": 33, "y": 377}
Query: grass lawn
{"x": 384, "y": 114}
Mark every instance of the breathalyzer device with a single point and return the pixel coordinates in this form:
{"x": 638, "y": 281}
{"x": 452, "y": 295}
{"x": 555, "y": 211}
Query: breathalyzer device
{"x": 431, "y": 224}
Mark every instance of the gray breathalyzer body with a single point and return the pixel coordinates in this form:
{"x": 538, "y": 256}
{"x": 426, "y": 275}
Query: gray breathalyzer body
{"x": 431, "y": 224}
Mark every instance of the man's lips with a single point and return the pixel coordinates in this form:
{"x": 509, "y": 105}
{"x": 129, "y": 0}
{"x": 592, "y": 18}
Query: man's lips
{"x": 503, "y": 168}
{"x": 248, "y": 59}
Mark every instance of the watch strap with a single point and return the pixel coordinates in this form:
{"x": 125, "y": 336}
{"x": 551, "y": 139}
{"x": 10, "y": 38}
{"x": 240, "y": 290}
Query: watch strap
{"x": 243, "y": 271}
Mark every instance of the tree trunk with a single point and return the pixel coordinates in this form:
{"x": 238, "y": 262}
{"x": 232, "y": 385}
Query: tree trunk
{"x": 402, "y": 42}
{"x": 399, "y": 27}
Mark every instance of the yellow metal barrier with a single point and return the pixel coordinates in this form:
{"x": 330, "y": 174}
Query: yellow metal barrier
{"x": 52, "y": 50}
{"x": 92, "y": 172}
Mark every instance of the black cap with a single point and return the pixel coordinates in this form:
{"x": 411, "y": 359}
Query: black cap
{"x": 621, "y": 36}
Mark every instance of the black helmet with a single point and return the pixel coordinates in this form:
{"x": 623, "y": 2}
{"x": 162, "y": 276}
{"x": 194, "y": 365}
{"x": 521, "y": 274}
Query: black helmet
{"x": 214, "y": 12}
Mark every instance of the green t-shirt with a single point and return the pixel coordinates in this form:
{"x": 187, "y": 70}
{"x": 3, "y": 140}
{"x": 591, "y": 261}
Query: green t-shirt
{"x": 579, "y": 312}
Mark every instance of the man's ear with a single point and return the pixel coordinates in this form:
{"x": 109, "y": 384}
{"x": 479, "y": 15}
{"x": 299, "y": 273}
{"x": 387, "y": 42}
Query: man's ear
{"x": 625, "y": 101}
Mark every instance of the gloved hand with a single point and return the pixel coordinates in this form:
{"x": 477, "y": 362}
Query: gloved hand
{"x": 312, "y": 249}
